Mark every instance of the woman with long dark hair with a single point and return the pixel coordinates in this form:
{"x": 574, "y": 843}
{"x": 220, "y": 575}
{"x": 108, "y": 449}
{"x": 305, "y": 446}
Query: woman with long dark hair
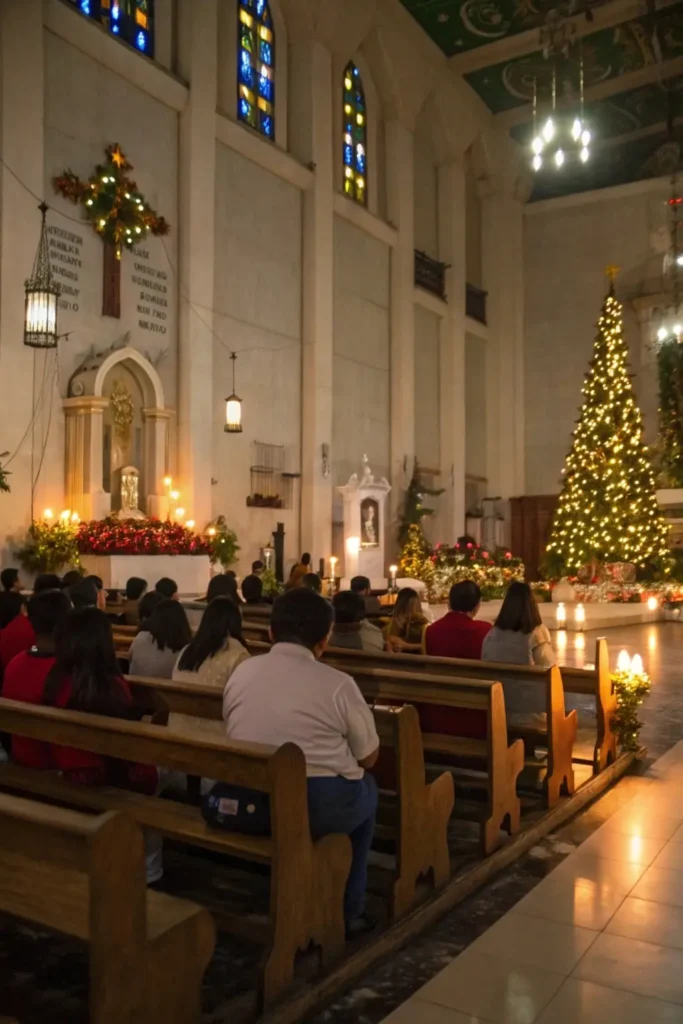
{"x": 224, "y": 584}
{"x": 155, "y": 650}
{"x": 518, "y": 636}
{"x": 212, "y": 656}
{"x": 405, "y": 630}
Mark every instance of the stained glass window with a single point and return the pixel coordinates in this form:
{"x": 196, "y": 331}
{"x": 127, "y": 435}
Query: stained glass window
{"x": 130, "y": 20}
{"x": 355, "y": 136}
{"x": 256, "y": 67}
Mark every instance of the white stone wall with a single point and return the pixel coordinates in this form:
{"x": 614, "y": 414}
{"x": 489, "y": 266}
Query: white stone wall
{"x": 361, "y": 355}
{"x": 426, "y": 192}
{"x": 258, "y": 313}
{"x": 476, "y": 397}
{"x": 567, "y": 246}
{"x": 427, "y": 387}
{"x": 473, "y": 229}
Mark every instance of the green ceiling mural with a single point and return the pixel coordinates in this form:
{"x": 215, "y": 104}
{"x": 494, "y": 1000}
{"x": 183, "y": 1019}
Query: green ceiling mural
{"x": 459, "y": 25}
{"x": 606, "y": 55}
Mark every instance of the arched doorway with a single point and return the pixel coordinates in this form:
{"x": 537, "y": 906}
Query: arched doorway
{"x": 116, "y": 419}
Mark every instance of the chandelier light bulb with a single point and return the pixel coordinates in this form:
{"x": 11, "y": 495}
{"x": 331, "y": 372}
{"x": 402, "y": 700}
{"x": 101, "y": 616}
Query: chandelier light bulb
{"x": 678, "y": 330}
{"x": 559, "y": 158}
{"x": 548, "y": 132}
{"x": 584, "y": 155}
{"x": 537, "y": 162}
{"x": 576, "y": 129}
{"x": 662, "y": 334}
{"x": 679, "y": 260}
{"x": 585, "y": 137}
{"x": 537, "y": 145}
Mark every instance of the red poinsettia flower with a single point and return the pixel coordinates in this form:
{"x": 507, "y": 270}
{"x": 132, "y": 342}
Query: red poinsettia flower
{"x": 469, "y": 547}
{"x": 484, "y": 554}
{"x": 508, "y": 554}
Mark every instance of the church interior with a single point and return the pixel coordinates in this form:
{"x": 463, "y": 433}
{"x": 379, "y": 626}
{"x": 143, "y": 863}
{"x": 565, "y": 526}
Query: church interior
{"x": 306, "y": 307}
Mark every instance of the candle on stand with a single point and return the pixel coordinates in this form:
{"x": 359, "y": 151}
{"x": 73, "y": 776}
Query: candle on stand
{"x": 180, "y": 513}
{"x": 333, "y": 566}
{"x": 190, "y": 524}
{"x": 561, "y": 615}
{"x": 393, "y": 569}
{"x": 48, "y": 515}
{"x": 623, "y": 661}
{"x": 637, "y": 665}
{"x": 580, "y": 617}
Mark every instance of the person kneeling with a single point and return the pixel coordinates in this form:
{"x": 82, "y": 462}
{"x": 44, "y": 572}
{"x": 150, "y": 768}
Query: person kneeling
{"x": 287, "y": 696}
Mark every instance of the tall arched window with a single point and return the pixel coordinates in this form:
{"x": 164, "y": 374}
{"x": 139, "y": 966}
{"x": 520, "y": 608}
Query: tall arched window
{"x": 130, "y": 20}
{"x": 256, "y": 67}
{"x": 355, "y": 136}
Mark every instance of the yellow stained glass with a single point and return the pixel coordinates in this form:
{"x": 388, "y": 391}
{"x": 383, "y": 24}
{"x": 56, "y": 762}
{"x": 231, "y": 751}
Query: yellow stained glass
{"x": 360, "y": 119}
{"x": 349, "y": 172}
{"x": 265, "y": 33}
{"x": 348, "y": 186}
{"x": 246, "y": 18}
{"x": 141, "y": 18}
{"x": 264, "y": 105}
{"x": 348, "y": 140}
{"x": 247, "y": 94}
{"x": 348, "y": 84}
{"x": 347, "y": 108}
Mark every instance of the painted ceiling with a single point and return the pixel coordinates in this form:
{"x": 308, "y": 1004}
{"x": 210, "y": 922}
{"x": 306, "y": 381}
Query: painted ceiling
{"x": 646, "y": 117}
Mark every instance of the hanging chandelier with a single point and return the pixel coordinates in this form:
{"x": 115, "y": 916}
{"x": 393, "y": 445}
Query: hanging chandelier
{"x": 671, "y": 329}
{"x": 560, "y": 137}
{"x": 42, "y": 296}
{"x": 233, "y": 406}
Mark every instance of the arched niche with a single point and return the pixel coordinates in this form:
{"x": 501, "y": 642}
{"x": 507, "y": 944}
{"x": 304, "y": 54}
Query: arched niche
{"x": 116, "y": 417}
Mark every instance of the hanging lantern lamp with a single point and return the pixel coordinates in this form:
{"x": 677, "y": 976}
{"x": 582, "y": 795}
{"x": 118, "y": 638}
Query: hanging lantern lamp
{"x": 233, "y": 406}
{"x": 42, "y": 296}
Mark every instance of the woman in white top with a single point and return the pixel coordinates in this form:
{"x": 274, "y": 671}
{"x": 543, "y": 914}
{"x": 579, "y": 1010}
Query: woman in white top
{"x": 155, "y": 649}
{"x": 211, "y": 657}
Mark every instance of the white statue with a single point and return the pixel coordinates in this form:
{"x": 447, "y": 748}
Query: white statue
{"x": 130, "y": 494}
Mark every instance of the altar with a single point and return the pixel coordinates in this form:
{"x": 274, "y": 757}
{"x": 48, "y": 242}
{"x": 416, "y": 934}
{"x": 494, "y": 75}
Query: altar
{"x": 191, "y": 572}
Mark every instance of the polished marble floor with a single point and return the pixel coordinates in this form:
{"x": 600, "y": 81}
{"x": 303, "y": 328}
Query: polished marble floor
{"x": 574, "y": 886}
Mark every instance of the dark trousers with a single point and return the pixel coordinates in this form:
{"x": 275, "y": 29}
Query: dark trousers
{"x": 337, "y": 804}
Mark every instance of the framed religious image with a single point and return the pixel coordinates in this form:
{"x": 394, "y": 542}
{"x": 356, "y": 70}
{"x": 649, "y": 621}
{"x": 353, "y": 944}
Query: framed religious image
{"x": 369, "y": 523}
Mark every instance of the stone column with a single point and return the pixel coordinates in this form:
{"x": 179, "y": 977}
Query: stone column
{"x": 197, "y": 37}
{"x": 156, "y": 422}
{"x": 503, "y": 272}
{"x": 83, "y": 489}
{"x": 22, "y": 150}
{"x": 311, "y": 141}
{"x": 401, "y": 213}
{"x": 452, "y": 250}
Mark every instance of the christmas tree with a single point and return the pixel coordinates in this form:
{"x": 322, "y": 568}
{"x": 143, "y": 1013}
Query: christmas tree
{"x": 608, "y": 509}
{"x": 413, "y": 509}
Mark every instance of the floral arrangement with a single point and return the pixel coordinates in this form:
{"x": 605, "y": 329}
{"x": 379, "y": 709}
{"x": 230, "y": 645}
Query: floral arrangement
{"x": 271, "y": 586}
{"x": 48, "y": 547}
{"x": 222, "y": 542}
{"x": 631, "y": 685}
{"x": 112, "y": 536}
{"x": 493, "y": 571}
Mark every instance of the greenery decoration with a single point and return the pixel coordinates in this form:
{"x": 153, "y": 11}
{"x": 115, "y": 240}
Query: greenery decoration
{"x": 222, "y": 542}
{"x": 631, "y": 688}
{"x": 413, "y": 509}
{"x": 48, "y": 547}
{"x": 4, "y": 485}
{"x": 112, "y": 202}
{"x": 670, "y": 444}
{"x": 492, "y": 571}
{"x": 113, "y": 536}
{"x": 271, "y": 586}
{"x": 414, "y": 562}
{"x": 608, "y": 509}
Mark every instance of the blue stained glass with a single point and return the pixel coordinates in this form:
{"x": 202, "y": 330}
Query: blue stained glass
{"x": 256, "y": 63}
{"x": 246, "y": 58}
{"x": 266, "y": 88}
{"x": 247, "y": 75}
{"x": 356, "y": 72}
{"x": 115, "y": 29}
{"x": 141, "y": 40}
{"x": 85, "y": 6}
{"x": 115, "y": 11}
{"x": 244, "y": 109}
{"x": 348, "y": 155}
{"x": 267, "y": 126}
{"x": 355, "y": 136}
{"x": 360, "y": 163}
{"x": 266, "y": 53}
{"x": 260, "y": 4}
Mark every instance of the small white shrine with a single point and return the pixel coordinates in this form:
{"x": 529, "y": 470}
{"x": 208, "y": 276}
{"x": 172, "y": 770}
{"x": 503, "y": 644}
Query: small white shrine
{"x": 365, "y": 527}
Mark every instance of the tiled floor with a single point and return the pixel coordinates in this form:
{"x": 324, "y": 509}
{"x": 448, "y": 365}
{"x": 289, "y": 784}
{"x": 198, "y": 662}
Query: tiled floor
{"x": 599, "y": 940}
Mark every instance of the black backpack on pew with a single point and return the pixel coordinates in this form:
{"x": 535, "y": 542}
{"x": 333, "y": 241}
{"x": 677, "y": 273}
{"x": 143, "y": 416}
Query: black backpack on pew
{"x": 237, "y": 809}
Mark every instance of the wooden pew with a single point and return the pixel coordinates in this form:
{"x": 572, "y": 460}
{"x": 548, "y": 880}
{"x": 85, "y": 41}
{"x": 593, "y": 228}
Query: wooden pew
{"x": 84, "y": 876}
{"x": 423, "y": 809}
{"x": 595, "y": 682}
{"x": 307, "y": 878}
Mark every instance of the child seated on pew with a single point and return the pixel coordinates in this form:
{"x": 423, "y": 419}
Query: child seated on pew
{"x": 288, "y": 696}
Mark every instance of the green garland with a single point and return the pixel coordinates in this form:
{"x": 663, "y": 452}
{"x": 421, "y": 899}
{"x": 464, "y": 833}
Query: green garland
{"x": 48, "y": 548}
{"x": 631, "y": 689}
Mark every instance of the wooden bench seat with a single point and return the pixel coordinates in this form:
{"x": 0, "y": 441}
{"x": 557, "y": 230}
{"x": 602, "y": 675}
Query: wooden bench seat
{"x": 308, "y": 877}
{"x": 423, "y": 808}
{"x": 84, "y": 876}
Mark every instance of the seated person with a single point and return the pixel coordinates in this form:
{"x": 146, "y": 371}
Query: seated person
{"x": 16, "y": 632}
{"x": 518, "y": 636}
{"x": 168, "y": 588}
{"x": 458, "y": 634}
{"x": 47, "y": 581}
{"x": 71, "y": 578}
{"x": 136, "y": 588}
{"x": 312, "y": 582}
{"x": 224, "y": 584}
{"x": 404, "y": 632}
{"x": 361, "y": 585}
{"x": 155, "y": 650}
{"x": 288, "y": 696}
{"x": 101, "y": 592}
{"x": 10, "y": 582}
{"x": 257, "y": 567}
{"x": 252, "y": 592}
{"x": 211, "y": 657}
{"x": 351, "y": 629}
{"x": 298, "y": 571}
{"x": 146, "y": 606}
{"x": 84, "y": 594}
{"x": 25, "y": 675}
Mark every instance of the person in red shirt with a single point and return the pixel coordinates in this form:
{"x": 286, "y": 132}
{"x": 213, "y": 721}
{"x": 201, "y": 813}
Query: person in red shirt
{"x": 26, "y": 673}
{"x": 457, "y": 635}
{"x": 16, "y": 632}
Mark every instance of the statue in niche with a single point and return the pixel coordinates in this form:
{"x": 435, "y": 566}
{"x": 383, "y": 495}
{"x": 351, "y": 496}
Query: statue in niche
{"x": 122, "y": 415}
{"x": 130, "y": 494}
{"x": 369, "y": 523}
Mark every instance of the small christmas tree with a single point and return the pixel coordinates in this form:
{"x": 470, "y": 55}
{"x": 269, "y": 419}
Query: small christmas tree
{"x": 413, "y": 509}
{"x": 608, "y": 509}
{"x": 415, "y": 561}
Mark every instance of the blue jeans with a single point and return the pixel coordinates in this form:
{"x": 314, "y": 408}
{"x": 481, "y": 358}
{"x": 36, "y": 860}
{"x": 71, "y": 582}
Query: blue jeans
{"x": 347, "y": 806}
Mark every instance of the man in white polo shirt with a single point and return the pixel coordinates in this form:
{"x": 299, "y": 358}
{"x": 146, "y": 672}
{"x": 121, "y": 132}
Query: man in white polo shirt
{"x": 288, "y": 696}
